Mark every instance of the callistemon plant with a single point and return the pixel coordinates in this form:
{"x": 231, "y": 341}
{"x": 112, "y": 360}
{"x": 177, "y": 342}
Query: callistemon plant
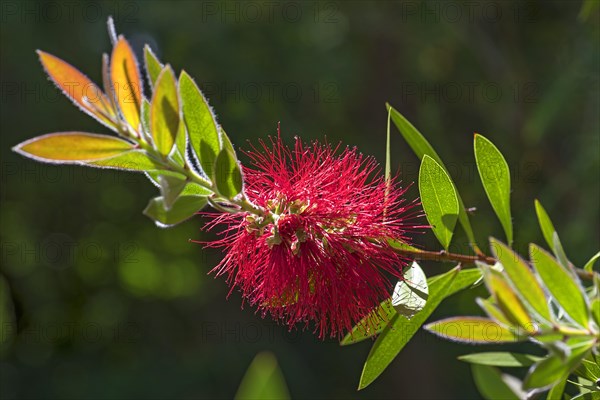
{"x": 313, "y": 235}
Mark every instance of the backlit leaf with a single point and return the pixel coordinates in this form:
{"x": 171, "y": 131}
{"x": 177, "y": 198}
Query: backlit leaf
{"x": 507, "y": 300}
{"x": 164, "y": 112}
{"x": 563, "y": 285}
{"x": 79, "y": 88}
{"x": 201, "y": 124}
{"x": 153, "y": 66}
{"x": 132, "y": 160}
{"x": 495, "y": 176}
{"x": 522, "y": 277}
{"x": 170, "y": 188}
{"x": 439, "y": 200}
{"x": 127, "y": 82}
{"x": 501, "y": 359}
{"x": 472, "y": 330}
{"x": 72, "y": 147}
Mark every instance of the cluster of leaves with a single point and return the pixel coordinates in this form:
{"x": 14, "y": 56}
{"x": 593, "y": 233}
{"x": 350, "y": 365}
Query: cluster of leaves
{"x": 543, "y": 301}
{"x": 172, "y": 135}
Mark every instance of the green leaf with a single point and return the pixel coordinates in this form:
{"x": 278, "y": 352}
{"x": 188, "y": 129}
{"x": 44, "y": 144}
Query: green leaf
{"x": 559, "y": 252}
{"x": 561, "y": 284}
{"x": 410, "y": 294}
{"x": 228, "y": 175}
{"x": 522, "y": 278}
{"x": 556, "y": 391}
{"x": 490, "y": 383}
{"x": 500, "y": 359}
{"x": 363, "y": 330}
{"x": 421, "y": 147}
{"x": 400, "y": 330}
{"x": 201, "y": 124}
{"x": 72, "y": 147}
{"x": 153, "y": 66}
{"x": 146, "y": 119}
{"x": 170, "y": 188}
{"x": 552, "y": 369}
{"x": 545, "y": 224}
{"x": 595, "y": 308}
{"x": 493, "y": 311}
{"x": 590, "y": 264}
{"x": 133, "y": 160}
{"x": 263, "y": 380}
{"x": 472, "y": 330}
{"x": 388, "y": 153}
{"x": 439, "y": 200}
{"x": 164, "y": 111}
{"x": 495, "y": 177}
{"x": 507, "y": 300}
{"x": 183, "y": 208}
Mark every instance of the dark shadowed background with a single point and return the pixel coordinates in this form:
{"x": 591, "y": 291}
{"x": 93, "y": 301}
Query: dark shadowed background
{"x": 99, "y": 303}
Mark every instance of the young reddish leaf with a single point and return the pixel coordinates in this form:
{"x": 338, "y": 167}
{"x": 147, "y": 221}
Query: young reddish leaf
{"x": 72, "y": 147}
{"x": 164, "y": 111}
{"x": 79, "y": 88}
{"x": 126, "y": 82}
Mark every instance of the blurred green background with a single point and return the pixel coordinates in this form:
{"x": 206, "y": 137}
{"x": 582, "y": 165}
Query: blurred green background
{"x": 99, "y": 303}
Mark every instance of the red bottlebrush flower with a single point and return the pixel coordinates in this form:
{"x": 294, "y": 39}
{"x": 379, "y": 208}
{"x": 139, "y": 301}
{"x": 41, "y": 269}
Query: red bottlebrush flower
{"x": 319, "y": 253}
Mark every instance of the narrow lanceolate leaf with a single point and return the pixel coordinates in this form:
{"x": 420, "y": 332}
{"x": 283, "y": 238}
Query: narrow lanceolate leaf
{"x": 595, "y": 307}
{"x": 421, "y": 147}
{"x": 522, "y": 278}
{"x": 508, "y": 302}
{"x": 153, "y": 66}
{"x": 410, "y": 294}
{"x": 492, "y": 384}
{"x": 559, "y": 252}
{"x": 164, "y": 112}
{"x": 561, "y": 284}
{"x": 552, "y": 369}
{"x": 228, "y": 175}
{"x": 495, "y": 177}
{"x": 439, "y": 200}
{"x": 72, "y": 147}
{"x": 556, "y": 391}
{"x": 501, "y": 359}
{"x": 545, "y": 224}
{"x": 472, "y": 330}
{"x": 400, "y": 330}
{"x": 127, "y": 82}
{"x": 132, "y": 160}
{"x": 79, "y": 88}
{"x": 590, "y": 264}
{"x": 183, "y": 208}
{"x": 201, "y": 124}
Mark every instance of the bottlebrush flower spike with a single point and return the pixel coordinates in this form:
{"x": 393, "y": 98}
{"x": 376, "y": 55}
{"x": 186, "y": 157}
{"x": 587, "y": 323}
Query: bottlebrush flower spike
{"x": 319, "y": 252}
